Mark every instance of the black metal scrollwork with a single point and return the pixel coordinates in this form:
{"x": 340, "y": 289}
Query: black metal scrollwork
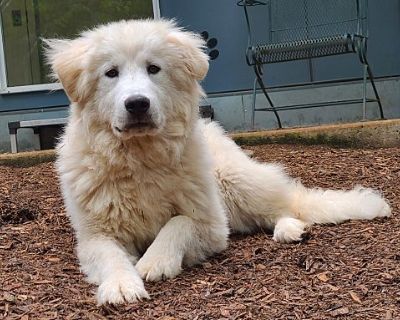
{"x": 211, "y": 44}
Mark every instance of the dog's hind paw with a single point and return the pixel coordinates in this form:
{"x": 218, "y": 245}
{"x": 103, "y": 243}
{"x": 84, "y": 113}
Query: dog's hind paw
{"x": 289, "y": 230}
{"x": 121, "y": 289}
{"x": 158, "y": 267}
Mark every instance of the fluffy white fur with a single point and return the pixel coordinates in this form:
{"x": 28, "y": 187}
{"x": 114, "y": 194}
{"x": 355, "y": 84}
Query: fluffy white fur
{"x": 146, "y": 201}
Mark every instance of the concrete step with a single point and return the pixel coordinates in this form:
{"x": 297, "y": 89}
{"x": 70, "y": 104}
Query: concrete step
{"x": 370, "y": 134}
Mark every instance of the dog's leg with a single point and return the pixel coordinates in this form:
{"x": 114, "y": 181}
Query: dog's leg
{"x": 200, "y": 230}
{"x": 188, "y": 239}
{"x": 108, "y": 264}
{"x": 263, "y": 195}
{"x": 104, "y": 260}
{"x": 164, "y": 257}
{"x": 182, "y": 238}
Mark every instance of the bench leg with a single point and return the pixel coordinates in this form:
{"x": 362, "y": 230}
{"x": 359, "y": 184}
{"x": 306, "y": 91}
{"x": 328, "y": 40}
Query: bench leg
{"x": 362, "y": 52}
{"x": 14, "y": 143}
{"x": 371, "y": 78}
{"x": 253, "y": 104}
{"x": 257, "y": 71}
{"x": 364, "y": 116}
{"x": 36, "y": 138}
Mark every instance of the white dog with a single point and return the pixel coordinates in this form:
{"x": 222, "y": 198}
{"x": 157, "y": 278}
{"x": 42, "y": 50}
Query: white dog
{"x": 148, "y": 186}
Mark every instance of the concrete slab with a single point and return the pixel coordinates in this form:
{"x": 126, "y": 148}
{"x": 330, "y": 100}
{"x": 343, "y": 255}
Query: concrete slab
{"x": 373, "y": 134}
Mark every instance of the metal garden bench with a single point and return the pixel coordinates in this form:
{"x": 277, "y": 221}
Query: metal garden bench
{"x": 32, "y": 124}
{"x": 306, "y": 29}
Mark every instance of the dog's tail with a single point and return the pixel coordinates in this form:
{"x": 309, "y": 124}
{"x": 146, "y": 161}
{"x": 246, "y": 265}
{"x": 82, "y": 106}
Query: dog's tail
{"x": 335, "y": 206}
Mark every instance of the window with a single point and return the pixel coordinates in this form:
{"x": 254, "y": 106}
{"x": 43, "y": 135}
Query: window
{"x": 25, "y": 22}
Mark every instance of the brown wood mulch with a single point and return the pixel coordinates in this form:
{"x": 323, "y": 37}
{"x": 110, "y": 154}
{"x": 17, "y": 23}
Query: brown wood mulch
{"x": 350, "y": 271}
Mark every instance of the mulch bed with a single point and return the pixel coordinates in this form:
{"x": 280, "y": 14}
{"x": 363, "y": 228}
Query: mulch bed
{"x": 350, "y": 271}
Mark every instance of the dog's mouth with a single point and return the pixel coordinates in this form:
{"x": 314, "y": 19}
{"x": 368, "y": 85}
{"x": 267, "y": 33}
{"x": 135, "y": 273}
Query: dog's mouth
{"x": 135, "y": 128}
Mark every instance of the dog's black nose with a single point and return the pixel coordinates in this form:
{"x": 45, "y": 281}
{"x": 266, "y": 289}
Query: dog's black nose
{"x": 137, "y": 105}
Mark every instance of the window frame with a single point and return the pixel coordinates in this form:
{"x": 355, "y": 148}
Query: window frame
{"x": 5, "y": 89}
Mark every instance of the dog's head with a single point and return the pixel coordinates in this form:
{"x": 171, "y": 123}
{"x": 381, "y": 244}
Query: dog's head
{"x": 132, "y": 76}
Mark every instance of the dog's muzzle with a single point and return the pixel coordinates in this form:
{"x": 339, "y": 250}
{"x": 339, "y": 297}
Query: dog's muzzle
{"x": 138, "y": 115}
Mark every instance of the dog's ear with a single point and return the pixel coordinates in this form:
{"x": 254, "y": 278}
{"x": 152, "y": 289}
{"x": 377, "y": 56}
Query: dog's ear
{"x": 67, "y": 59}
{"x": 191, "y": 47}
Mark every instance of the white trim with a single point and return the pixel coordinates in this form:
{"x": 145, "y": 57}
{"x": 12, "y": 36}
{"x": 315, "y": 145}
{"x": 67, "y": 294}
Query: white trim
{"x": 4, "y": 89}
{"x": 156, "y": 9}
{"x": 61, "y": 108}
{"x": 3, "y": 72}
{"x": 32, "y": 88}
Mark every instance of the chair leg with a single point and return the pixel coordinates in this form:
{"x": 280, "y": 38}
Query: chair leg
{"x": 264, "y": 90}
{"x": 371, "y": 78}
{"x": 253, "y": 106}
{"x": 364, "y": 116}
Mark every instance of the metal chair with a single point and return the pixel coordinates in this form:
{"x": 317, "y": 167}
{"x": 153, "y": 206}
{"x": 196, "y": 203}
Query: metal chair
{"x": 306, "y": 29}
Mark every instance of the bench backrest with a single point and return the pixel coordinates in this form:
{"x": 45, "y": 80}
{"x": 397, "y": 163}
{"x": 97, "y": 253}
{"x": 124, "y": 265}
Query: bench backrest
{"x": 293, "y": 20}
{"x": 297, "y": 20}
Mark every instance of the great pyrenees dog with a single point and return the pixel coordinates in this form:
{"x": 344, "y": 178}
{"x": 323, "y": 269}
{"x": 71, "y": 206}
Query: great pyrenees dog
{"x": 148, "y": 186}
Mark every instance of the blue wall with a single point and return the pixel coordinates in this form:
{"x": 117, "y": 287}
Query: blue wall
{"x": 29, "y": 100}
{"x": 223, "y": 20}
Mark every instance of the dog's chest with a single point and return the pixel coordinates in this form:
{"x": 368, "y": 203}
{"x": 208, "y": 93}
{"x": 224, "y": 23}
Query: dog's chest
{"x": 134, "y": 209}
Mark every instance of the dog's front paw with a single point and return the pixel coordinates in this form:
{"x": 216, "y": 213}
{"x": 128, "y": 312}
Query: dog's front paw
{"x": 158, "y": 267}
{"x": 121, "y": 289}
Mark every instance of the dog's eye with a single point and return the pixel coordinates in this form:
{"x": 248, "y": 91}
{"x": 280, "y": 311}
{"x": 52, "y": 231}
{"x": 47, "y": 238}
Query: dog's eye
{"x": 112, "y": 73}
{"x": 153, "y": 69}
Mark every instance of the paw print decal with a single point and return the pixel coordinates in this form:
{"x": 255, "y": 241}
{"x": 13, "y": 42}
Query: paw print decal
{"x": 211, "y": 44}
